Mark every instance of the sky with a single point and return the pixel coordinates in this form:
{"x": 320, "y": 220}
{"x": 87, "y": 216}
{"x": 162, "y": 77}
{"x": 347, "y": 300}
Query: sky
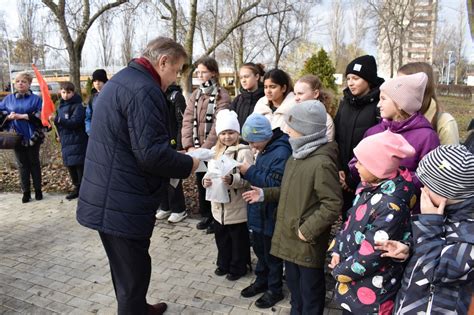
{"x": 448, "y": 14}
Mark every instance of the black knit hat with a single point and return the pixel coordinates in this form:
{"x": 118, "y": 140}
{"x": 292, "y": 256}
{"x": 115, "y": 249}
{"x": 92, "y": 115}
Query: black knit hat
{"x": 366, "y": 68}
{"x": 99, "y": 75}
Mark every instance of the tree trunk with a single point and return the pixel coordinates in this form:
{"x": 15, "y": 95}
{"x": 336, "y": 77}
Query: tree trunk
{"x": 187, "y": 75}
{"x": 74, "y": 69}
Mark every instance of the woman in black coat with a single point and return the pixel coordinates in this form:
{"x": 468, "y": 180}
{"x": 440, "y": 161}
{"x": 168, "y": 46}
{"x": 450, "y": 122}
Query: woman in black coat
{"x": 251, "y": 91}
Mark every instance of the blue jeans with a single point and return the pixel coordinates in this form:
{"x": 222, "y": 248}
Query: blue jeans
{"x": 269, "y": 269}
{"x": 307, "y": 287}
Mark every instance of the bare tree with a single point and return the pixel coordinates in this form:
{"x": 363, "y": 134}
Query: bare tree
{"x": 128, "y": 33}
{"x": 460, "y": 43}
{"x": 284, "y": 27}
{"x": 394, "y": 19}
{"x": 358, "y": 29}
{"x": 27, "y": 50}
{"x": 105, "y": 38}
{"x": 336, "y": 31}
{"x": 74, "y": 22}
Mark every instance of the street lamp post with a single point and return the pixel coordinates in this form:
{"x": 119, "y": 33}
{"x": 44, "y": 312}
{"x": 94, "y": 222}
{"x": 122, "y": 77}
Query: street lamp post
{"x": 9, "y": 63}
{"x": 450, "y": 53}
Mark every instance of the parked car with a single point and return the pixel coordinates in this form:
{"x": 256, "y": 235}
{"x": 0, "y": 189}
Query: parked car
{"x": 53, "y": 88}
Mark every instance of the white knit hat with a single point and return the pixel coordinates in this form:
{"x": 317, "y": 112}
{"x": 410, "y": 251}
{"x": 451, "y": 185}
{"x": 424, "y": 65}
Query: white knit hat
{"x": 227, "y": 120}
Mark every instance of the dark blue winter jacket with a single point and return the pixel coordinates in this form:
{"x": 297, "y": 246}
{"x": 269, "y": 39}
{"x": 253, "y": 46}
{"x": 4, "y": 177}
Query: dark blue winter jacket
{"x": 129, "y": 158}
{"x": 70, "y": 123}
{"x": 267, "y": 172}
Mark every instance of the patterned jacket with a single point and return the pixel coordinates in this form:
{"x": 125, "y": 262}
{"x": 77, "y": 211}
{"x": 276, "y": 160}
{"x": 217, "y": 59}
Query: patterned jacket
{"x": 439, "y": 277}
{"x": 367, "y": 283}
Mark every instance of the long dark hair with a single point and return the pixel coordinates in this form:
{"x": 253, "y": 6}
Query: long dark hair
{"x": 281, "y": 78}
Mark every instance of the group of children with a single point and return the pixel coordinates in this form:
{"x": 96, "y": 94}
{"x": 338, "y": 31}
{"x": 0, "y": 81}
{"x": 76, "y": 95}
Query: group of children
{"x": 401, "y": 193}
{"x": 406, "y": 241}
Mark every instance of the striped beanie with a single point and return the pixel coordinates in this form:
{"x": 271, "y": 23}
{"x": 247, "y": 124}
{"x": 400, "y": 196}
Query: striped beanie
{"x": 448, "y": 171}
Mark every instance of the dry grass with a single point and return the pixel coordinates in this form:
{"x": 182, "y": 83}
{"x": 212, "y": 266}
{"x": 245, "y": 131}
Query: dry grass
{"x": 462, "y": 110}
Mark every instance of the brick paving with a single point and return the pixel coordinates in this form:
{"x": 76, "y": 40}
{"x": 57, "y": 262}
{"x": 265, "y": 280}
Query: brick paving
{"x": 49, "y": 264}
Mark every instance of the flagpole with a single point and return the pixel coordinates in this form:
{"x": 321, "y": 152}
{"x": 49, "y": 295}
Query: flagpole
{"x": 9, "y": 64}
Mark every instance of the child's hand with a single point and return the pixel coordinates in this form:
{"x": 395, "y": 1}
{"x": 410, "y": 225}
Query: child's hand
{"x": 334, "y": 261}
{"x": 301, "y": 236}
{"x": 254, "y": 195}
{"x": 427, "y": 206}
{"x": 342, "y": 180}
{"x": 393, "y": 249}
{"x": 243, "y": 167}
{"x": 206, "y": 182}
{"x": 227, "y": 179}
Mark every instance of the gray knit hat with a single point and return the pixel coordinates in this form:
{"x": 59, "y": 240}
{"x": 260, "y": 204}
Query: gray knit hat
{"x": 308, "y": 117}
{"x": 448, "y": 171}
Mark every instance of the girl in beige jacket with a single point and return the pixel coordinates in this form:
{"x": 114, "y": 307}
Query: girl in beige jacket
{"x": 231, "y": 232}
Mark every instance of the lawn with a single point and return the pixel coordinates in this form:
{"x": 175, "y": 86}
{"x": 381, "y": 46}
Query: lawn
{"x": 462, "y": 110}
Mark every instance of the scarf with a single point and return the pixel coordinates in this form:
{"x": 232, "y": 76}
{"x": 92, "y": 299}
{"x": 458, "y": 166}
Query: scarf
{"x": 210, "y": 88}
{"x": 305, "y": 145}
{"x": 149, "y": 67}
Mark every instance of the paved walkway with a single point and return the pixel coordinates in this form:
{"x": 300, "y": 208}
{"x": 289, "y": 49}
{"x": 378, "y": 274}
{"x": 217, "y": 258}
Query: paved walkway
{"x": 50, "y": 264}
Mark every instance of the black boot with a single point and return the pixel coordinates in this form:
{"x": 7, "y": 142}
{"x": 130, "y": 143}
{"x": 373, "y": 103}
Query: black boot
{"x": 38, "y": 195}
{"x": 73, "y": 194}
{"x": 26, "y": 197}
{"x": 204, "y": 223}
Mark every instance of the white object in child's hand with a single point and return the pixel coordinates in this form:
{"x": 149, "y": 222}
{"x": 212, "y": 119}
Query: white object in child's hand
{"x": 217, "y": 192}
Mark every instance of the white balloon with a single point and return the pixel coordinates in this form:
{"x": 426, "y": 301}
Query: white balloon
{"x": 377, "y": 281}
{"x": 375, "y": 199}
{"x": 380, "y": 236}
{"x": 345, "y": 306}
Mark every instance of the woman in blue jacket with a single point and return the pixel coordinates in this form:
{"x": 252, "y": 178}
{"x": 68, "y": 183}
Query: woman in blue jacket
{"x": 21, "y": 112}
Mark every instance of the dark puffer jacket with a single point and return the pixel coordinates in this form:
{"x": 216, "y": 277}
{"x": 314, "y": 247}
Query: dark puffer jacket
{"x": 354, "y": 116}
{"x": 267, "y": 172}
{"x": 440, "y": 274}
{"x": 245, "y": 102}
{"x": 129, "y": 158}
{"x": 70, "y": 123}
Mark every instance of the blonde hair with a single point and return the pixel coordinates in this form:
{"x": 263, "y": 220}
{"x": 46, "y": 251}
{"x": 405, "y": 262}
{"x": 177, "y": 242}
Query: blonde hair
{"x": 324, "y": 97}
{"x": 220, "y": 148}
{"x": 24, "y": 75}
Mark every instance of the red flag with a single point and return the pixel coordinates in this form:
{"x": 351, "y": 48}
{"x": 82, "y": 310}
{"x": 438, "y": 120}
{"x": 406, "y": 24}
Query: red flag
{"x": 48, "y": 105}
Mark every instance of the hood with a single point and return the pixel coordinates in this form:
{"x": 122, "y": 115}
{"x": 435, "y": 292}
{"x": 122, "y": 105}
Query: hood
{"x": 329, "y": 149}
{"x": 415, "y": 121}
{"x": 257, "y": 94}
{"x": 279, "y": 138}
{"x": 369, "y": 98}
{"x": 75, "y": 99}
{"x": 263, "y": 106}
{"x": 235, "y": 148}
{"x": 459, "y": 221}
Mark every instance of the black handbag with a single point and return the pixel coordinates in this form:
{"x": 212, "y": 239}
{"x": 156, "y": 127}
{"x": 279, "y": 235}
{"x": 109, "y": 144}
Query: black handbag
{"x": 9, "y": 139}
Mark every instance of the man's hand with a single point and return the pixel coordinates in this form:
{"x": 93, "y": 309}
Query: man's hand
{"x": 254, "y": 195}
{"x": 334, "y": 261}
{"x": 243, "y": 167}
{"x": 427, "y": 206}
{"x": 195, "y": 165}
{"x": 393, "y": 249}
{"x": 206, "y": 182}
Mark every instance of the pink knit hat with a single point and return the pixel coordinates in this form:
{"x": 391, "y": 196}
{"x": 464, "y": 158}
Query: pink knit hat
{"x": 381, "y": 153}
{"x": 406, "y": 91}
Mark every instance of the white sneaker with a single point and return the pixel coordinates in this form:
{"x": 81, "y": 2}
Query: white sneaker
{"x": 177, "y": 217}
{"x": 162, "y": 214}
